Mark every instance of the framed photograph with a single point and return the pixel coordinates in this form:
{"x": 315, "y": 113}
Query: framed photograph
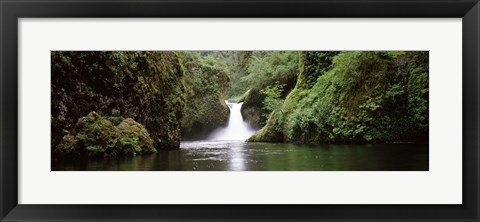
{"x": 227, "y": 110}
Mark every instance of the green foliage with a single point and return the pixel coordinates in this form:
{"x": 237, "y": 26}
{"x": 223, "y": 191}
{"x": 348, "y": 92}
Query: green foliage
{"x": 265, "y": 69}
{"x": 256, "y": 71}
{"x": 206, "y": 83}
{"x": 96, "y": 136}
{"x": 357, "y": 97}
{"x": 301, "y": 97}
{"x": 95, "y": 150}
{"x": 272, "y": 101}
{"x": 314, "y": 64}
{"x": 127, "y": 146}
{"x": 146, "y": 86}
{"x": 236, "y": 63}
{"x": 135, "y": 136}
{"x": 115, "y": 119}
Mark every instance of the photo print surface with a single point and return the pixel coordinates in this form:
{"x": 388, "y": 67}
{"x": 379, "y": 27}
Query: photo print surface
{"x": 239, "y": 110}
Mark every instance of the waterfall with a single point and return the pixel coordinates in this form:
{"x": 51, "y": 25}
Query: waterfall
{"x": 236, "y": 128}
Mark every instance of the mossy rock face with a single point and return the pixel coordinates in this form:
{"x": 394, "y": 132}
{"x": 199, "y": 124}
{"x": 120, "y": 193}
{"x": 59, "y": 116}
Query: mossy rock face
{"x": 205, "y": 86}
{"x": 145, "y": 86}
{"x": 252, "y": 111}
{"x": 98, "y": 136}
{"x": 266, "y": 134}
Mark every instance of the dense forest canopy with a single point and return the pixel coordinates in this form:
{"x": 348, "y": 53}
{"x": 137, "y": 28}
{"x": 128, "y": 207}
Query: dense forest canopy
{"x": 127, "y": 103}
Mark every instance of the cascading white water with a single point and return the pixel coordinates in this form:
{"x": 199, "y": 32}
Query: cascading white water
{"x": 236, "y": 128}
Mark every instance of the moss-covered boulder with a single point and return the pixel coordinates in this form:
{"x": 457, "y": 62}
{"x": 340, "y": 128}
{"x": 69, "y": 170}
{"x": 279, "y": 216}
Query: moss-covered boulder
{"x": 97, "y": 136}
{"x": 135, "y": 134}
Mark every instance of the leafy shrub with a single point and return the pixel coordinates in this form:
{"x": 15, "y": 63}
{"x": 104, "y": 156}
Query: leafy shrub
{"x": 272, "y": 101}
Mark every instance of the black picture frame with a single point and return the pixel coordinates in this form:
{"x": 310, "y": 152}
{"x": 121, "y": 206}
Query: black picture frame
{"x": 11, "y": 11}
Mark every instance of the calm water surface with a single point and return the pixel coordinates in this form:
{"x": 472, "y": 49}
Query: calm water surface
{"x": 241, "y": 156}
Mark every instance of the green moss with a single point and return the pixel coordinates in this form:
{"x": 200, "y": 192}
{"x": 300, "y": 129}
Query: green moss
{"x": 136, "y": 136}
{"x": 115, "y": 119}
{"x": 145, "y": 86}
{"x": 95, "y": 130}
{"x": 252, "y": 108}
{"x": 271, "y": 132}
{"x": 206, "y": 82}
{"x": 68, "y": 146}
{"x": 94, "y": 151}
{"x": 127, "y": 146}
{"x": 97, "y": 136}
{"x": 360, "y": 97}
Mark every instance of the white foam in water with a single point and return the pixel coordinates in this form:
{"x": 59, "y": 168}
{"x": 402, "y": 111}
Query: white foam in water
{"x": 236, "y": 128}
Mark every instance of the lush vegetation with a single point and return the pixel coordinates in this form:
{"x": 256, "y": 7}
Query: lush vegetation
{"x": 354, "y": 97}
{"x": 129, "y": 103}
{"x": 254, "y": 74}
{"x": 145, "y": 86}
{"x": 206, "y": 82}
{"x": 167, "y": 93}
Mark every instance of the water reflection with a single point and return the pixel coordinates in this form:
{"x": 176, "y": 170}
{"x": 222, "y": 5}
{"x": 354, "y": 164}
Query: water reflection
{"x": 237, "y": 158}
{"x": 241, "y": 156}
